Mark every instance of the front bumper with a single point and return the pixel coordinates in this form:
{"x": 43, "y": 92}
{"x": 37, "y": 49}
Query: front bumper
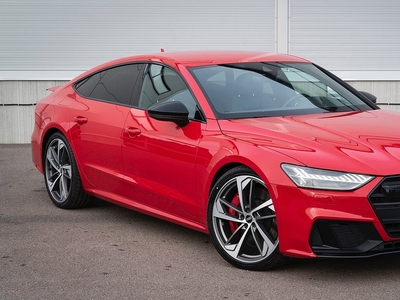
{"x": 361, "y": 223}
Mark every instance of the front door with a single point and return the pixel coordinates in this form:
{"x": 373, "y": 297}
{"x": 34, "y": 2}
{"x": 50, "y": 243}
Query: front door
{"x": 159, "y": 156}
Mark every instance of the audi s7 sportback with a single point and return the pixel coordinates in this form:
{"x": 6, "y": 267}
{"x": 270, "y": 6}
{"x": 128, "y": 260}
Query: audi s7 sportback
{"x": 270, "y": 154}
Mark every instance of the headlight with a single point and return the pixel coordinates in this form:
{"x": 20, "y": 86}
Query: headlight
{"x": 325, "y": 180}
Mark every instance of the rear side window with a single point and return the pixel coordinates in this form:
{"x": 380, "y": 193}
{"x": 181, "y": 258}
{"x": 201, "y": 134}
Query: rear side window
{"x": 114, "y": 85}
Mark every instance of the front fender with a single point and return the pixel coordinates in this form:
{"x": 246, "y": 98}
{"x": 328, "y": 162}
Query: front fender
{"x": 218, "y": 152}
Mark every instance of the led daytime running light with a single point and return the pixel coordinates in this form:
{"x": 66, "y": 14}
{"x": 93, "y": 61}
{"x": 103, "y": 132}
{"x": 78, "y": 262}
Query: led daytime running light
{"x": 324, "y": 179}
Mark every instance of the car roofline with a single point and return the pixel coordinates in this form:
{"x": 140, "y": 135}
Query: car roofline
{"x": 199, "y": 58}
{"x": 203, "y": 58}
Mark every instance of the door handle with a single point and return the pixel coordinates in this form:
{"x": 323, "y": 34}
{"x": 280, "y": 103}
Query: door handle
{"x": 81, "y": 120}
{"x": 132, "y": 131}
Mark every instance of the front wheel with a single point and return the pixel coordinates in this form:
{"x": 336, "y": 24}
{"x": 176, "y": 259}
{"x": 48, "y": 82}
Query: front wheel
{"x": 242, "y": 221}
{"x": 61, "y": 174}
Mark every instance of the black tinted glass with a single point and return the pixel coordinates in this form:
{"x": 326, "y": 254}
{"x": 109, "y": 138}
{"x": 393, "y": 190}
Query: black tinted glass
{"x": 86, "y": 86}
{"x": 113, "y": 85}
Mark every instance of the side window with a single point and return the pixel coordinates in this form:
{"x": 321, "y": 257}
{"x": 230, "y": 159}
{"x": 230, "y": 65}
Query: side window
{"x": 161, "y": 84}
{"x": 86, "y": 86}
{"x": 112, "y": 85}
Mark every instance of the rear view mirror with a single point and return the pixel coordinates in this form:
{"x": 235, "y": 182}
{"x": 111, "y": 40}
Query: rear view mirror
{"x": 369, "y": 96}
{"x": 174, "y": 111}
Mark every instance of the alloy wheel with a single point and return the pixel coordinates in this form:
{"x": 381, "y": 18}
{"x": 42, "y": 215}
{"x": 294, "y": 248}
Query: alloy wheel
{"x": 244, "y": 220}
{"x": 58, "y": 170}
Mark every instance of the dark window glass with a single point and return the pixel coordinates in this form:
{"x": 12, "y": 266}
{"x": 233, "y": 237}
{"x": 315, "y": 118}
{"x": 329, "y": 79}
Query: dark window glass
{"x": 161, "y": 84}
{"x": 86, "y": 86}
{"x": 113, "y": 85}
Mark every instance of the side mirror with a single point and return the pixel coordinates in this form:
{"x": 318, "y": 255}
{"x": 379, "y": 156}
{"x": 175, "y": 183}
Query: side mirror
{"x": 369, "y": 96}
{"x": 174, "y": 111}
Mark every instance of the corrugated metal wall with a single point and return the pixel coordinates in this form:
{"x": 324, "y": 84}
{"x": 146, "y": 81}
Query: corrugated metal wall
{"x": 387, "y": 92}
{"x": 45, "y": 41}
{"x": 358, "y": 40}
{"x": 48, "y": 39}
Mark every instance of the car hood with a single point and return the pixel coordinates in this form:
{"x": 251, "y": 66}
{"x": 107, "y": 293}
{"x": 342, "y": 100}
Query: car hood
{"x": 365, "y": 142}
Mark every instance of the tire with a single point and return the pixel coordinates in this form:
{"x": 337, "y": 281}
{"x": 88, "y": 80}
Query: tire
{"x": 61, "y": 174}
{"x": 242, "y": 221}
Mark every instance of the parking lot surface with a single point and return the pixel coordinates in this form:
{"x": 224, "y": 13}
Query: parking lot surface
{"x": 109, "y": 252}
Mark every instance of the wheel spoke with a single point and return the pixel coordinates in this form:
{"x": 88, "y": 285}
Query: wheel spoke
{"x": 60, "y": 150}
{"x": 53, "y": 159}
{"x": 251, "y": 191}
{"x": 258, "y": 218}
{"x": 219, "y": 213}
{"x": 269, "y": 243}
{"x": 67, "y": 171}
{"x": 260, "y": 248}
{"x": 236, "y": 232}
{"x": 266, "y": 204}
{"x": 63, "y": 188}
{"x": 230, "y": 205}
{"x": 52, "y": 183}
{"x": 234, "y": 249}
{"x": 241, "y": 183}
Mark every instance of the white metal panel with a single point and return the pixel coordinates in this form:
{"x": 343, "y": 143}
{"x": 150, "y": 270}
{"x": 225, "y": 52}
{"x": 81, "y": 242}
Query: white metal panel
{"x": 387, "y": 92}
{"x": 17, "y": 99}
{"x": 348, "y": 35}
{"x": 55, "y": 39}
{"x": 16, "y": 123}
{"x": 282, "y": 9}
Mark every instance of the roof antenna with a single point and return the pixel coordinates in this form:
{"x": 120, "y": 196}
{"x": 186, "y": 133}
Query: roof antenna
{"x": 162, "y": 50}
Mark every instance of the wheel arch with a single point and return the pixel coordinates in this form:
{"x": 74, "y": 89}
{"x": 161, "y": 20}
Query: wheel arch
{"x": 46, "y": 138}
{"x": 232, "y": 163}
{"x": 265, "y": 169}
{"x": 221, "y": 171}
{"x": 47, "y": 133}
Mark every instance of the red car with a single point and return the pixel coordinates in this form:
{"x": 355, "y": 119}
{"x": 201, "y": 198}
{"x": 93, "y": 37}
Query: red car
{"x": 270, "y": 154}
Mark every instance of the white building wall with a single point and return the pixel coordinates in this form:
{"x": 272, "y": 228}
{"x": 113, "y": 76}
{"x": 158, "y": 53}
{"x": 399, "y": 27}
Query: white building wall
{"x": 387, "y": 92}
{"x": 17, "y": 99}
{"x": 358, "y": 40}
{"x": 46, "y": 42}
{"x": 58, "y": 39}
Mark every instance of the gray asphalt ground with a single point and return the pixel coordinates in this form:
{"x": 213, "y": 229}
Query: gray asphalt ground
{"x": 109, "y": 252}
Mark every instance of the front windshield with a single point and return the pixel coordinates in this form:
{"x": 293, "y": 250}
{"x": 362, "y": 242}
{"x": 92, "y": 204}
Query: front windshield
{"x": 246, "y": 90}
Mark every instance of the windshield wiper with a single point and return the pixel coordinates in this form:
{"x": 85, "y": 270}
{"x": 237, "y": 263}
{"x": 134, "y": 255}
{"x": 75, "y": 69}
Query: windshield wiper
{"x": 330, "y": 108}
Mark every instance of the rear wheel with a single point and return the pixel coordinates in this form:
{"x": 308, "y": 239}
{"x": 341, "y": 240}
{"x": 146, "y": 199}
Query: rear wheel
{"x": 61, "y": 174}
{"x": 242, "y": 221}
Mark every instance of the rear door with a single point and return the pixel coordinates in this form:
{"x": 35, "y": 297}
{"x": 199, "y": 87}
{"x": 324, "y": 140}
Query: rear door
{"x": 100, "y": 111}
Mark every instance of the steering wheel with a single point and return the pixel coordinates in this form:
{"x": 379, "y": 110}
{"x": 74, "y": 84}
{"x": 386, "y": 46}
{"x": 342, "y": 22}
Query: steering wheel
{"x": 296, "y": 99}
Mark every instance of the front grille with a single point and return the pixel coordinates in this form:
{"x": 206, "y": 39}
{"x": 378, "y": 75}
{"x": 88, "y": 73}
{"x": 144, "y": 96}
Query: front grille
{"x": 385, "y": 200}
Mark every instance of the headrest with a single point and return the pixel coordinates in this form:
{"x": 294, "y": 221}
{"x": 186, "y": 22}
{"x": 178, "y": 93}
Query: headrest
{"x": 249, "y": 84}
